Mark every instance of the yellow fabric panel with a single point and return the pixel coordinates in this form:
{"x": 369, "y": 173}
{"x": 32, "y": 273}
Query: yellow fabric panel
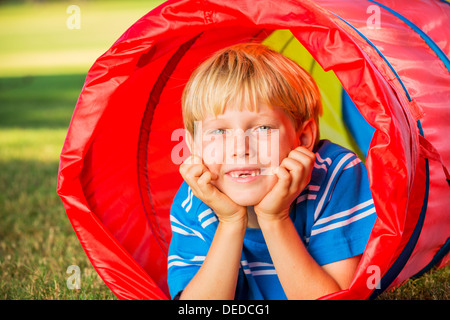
{"x": 331, "y": 124}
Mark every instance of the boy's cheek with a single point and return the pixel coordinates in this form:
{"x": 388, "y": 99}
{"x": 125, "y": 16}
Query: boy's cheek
{"x": 211, "y": 159}
{"x": 218, "y": 183}
{"x": 268, "y": 157}
{"x": 273, "y": 150}
{"x": 213, "y": 151}
{"x": 215, "y": 170}
{"x": 270, "y": 181}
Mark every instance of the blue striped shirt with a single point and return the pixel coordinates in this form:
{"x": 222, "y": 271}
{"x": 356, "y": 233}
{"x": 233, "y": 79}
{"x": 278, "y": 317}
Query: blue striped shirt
{"x": 333, "y": 215}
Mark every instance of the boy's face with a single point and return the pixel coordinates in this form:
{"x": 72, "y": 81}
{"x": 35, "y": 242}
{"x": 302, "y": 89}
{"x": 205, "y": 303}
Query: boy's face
{"x": 243, "y": 147}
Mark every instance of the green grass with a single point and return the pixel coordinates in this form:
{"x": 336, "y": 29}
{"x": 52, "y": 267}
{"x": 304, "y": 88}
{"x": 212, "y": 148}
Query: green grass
{"x": 35, "y": 102}
{"x": 43, "y": 65}
{"x": 37, "y": 242}
{"x": 35, "y": 39}
{"x": 42, "y": 69}
{"x": 433, "y": 285}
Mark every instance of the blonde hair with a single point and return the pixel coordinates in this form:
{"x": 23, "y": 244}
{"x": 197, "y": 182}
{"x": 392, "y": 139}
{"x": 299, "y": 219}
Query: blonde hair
{"x": 244, "y": 75}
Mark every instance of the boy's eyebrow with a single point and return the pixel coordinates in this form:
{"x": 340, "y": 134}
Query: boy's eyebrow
{"x": 224, "y": 122}
{"x": 212, "y": 122}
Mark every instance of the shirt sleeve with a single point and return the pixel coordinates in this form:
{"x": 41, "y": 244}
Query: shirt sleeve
{"x": 344, "y": 213}
{"x": 193, "y": 226}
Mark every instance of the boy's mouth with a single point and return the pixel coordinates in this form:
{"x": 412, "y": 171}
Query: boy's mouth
{"x": 244, "y": 174}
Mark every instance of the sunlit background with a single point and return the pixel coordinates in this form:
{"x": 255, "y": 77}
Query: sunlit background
{"x": 46, "y": 49}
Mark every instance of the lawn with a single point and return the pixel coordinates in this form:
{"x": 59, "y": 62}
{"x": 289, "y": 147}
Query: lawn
{"x": 37, "y": 242}
{"x": 43, "y": 65}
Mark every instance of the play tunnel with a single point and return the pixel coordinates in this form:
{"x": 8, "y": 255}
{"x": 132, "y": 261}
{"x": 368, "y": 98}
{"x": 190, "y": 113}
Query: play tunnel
{"x": 383, "y": 71}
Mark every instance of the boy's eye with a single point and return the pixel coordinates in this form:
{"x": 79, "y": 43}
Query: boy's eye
{"x": 217, "y": 131}
{"x": 263, "y": 128}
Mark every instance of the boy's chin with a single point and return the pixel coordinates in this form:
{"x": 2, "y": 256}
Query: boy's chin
{"x": 246, "y": 201}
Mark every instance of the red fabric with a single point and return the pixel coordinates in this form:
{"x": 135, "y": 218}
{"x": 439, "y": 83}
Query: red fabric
{"x": 117, "y": 179}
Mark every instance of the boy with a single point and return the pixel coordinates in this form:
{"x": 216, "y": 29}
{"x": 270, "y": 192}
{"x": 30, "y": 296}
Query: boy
{"x": 258, "y": 217}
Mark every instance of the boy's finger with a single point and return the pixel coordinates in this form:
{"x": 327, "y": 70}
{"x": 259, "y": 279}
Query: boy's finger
{"x": 300, "y": 163}
{"x": 206, "y": 188}
{"x": 190, "y": 173}
{"x": 192, "y": 159}
{"x": 295, "y": 169}
{"x": 284, "y": 180}
{"x": 196, "y": 159}
{"x": 290, "y": 164}
{"x": 304, "y": 158}
{"x": 204, "y": 179}
{"x": 301, "y": 153}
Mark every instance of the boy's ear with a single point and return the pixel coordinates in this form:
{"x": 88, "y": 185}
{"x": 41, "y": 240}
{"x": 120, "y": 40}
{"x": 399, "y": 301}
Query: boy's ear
{"x": 308, "y": 134}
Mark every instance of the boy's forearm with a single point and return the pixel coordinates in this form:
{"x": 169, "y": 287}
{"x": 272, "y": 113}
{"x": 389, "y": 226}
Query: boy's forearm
{"x": 217, "y": 277}
{"x": 300, "y": 275}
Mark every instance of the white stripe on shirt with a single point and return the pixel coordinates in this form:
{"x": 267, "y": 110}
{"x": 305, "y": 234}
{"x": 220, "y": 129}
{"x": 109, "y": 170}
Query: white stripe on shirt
{"x": 352, "y": 164}
{"x": 345, "y": 212}
{"x": 263, "y": 272}
{"x": 190, "y": 203}
{"x": 259, "y": 264}
{"x": 343, "y": 223}
{"x": 188, "y": 200}
{"x": 183, "y": 263}
{"x": 208, "y": 222}
{"x": 320, "y": 166}
{"x": 319, "y": 158}
{"x": 306, "y": 196}
{"x": 182, "y": 231}
{"x": 183, "y": 204}
{"x": 248, "y": 268}
{"x": 325, "y": 194}
{"x": 196, "y": 258}
{"x": 204, "y": 214}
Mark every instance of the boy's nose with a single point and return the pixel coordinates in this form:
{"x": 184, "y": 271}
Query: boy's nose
{"x": 241, "y": 145}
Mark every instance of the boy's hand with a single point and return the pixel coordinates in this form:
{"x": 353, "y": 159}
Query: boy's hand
{"x": 199, "y": 178}
{"x": 294, "y": 174}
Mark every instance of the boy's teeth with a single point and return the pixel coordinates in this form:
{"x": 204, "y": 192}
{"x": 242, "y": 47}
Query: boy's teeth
{"x": 237, "y": 174}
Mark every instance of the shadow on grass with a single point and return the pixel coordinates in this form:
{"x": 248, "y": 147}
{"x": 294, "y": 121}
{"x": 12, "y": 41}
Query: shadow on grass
{"x": 39, "y": 101}
{"x": 37, "y": 242}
